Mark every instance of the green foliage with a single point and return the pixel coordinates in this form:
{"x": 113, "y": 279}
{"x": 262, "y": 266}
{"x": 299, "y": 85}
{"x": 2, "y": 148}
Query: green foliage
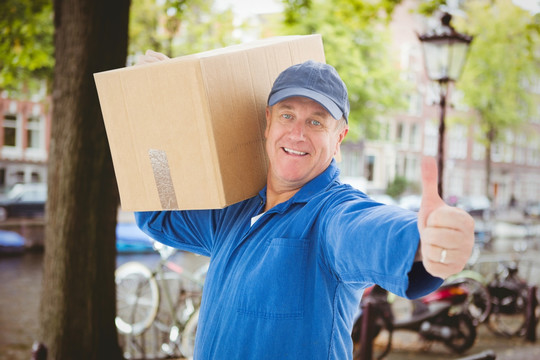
{"x": 430, "y": 6}
{"x": 397, "y": 187}
{"x": 295, "y": 10}
{"x": 26, "y": 44}
{"x": 179, "y": 27}
{"x": 356, "y": 43}
{"x": 143, "y": 25}
{"x": 175, "y": 27}
{"x": 502, "y": 61}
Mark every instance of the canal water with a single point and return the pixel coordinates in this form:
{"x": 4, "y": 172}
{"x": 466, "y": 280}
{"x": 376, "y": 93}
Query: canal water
{"x": 20, "y": 286}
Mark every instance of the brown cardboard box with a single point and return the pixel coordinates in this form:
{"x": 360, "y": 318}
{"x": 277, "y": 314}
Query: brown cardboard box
{"x": 188, "y": 133}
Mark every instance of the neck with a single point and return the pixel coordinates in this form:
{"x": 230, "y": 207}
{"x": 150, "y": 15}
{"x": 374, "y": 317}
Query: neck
{"x": 274, "y": 197}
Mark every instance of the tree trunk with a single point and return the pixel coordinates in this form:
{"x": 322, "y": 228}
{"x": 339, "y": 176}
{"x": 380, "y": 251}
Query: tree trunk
{"x": 78, "y": 299}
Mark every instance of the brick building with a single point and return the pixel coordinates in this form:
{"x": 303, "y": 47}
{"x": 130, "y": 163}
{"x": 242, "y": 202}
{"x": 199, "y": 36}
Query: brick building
{"x": 24, "y": 140}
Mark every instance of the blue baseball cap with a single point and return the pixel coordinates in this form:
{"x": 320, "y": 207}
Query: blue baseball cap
{"x": 317, "y": 81}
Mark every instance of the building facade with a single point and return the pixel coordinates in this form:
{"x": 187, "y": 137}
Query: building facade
{"x": 414, "y": 133}
{"x": 408, "y": 136}
{"x": 24, "y": 140}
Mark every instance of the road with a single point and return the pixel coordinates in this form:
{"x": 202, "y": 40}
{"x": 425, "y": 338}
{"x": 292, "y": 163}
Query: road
{"x": 411, "y": 348}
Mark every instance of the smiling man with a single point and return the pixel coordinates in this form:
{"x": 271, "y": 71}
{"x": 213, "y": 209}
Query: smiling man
{"x": 302, "y": 134}
{"x": 288, "y": 267}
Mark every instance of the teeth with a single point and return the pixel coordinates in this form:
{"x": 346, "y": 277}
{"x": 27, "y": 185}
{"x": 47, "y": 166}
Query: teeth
{"x": 294, "y": 152}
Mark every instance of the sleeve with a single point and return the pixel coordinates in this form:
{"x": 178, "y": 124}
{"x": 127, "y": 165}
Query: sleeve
{"x": 371, "y": 243}
{"x": 192, "y": 231}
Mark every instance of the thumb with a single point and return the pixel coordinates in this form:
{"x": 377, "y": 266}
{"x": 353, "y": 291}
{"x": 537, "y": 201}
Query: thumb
{"x": 431, "y": 199}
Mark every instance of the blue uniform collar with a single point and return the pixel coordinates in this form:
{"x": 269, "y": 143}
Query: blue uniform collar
{"x": 309, "y": 190}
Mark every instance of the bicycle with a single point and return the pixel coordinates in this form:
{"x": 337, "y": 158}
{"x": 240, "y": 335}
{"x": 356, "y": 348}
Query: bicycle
{"x": 478, "y": 303}
{"x": 165, "y": 300}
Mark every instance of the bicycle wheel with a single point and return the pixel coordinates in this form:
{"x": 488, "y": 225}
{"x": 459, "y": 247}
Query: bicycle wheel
{"x": 478, "y": 302}
{"x": 137, "y": 298}
{"x": 179, "y": 298}
{"x": 187, "y": 345}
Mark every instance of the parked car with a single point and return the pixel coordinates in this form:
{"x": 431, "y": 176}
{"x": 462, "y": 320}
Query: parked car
{"x": 131, "y": 239}
{"x": 11, "y": 243}
{"x": 477, "y": 205}
{"x": 24, "y": 200}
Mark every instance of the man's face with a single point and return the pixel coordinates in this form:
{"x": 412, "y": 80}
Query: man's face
{"x": 301, "y": 139}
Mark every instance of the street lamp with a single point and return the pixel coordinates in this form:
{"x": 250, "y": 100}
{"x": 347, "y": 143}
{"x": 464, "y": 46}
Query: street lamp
{"x": 445, "y": 51}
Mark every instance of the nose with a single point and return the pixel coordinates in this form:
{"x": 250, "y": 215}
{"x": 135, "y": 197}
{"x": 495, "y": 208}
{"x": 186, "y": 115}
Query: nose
{"x": 297, "y": 130}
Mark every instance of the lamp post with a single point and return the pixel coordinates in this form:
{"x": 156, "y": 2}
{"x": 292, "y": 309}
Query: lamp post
{"x": 445, "y": 51}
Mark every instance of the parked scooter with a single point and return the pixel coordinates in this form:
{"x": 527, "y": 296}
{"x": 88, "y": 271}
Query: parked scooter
{"x": 510, "y": 295}
{"x": 431, "y": 317}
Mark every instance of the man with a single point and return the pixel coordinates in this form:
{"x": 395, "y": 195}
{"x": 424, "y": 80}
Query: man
{"x": 288, "y": 267}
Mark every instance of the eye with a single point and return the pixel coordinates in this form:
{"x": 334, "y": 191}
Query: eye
{"x": 315, "y": 123}
{"x": 287, "y": 116}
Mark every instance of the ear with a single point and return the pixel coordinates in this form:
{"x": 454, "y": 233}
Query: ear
{"x": 343, "y": 133}
{"x": 268, "y": 120}
{"x": 341, "y": 136}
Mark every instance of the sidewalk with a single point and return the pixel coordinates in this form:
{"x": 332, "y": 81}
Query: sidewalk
{"x": 407, "y": 346}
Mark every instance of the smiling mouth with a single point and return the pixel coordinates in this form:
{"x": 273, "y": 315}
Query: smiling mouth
{"x": 294, "y": 152}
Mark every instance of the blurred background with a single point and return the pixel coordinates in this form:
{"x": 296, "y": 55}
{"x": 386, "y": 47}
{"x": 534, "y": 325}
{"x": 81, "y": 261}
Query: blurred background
{"x": 455, "y": 79}
{"x": 491, "y": 140}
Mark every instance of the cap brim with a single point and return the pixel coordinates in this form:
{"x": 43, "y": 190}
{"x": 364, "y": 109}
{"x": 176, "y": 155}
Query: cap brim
{"x": 325, "y": 102}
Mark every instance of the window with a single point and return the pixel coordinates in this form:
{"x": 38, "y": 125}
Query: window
{"x": 10, "y": 130}
{"x": 433, "y": 94}
{"x": 497, "y": 152}
{"x": 458, "y": 100}
{"x": 521, "y": 155}
{"x": 536, "y": 116}
{"x": 385, "y": 131}
{"x": 458, "y": 142}
{"x": 533, "y": 156}
{"x": 415, "y": 104}
{"x": 351, "y": 161}
{"x": 431, "y": 139}
{"x": 35, "y": 177}
{"x": 405, "y": 56}
{"x": 19, "y": 176}
{"x": 33, "y": 132}
{"x": 411, "y": 167}
{"x": 478, "y": 151}
{"x": 400, "y": 132}
{"x": 414, "y": 138}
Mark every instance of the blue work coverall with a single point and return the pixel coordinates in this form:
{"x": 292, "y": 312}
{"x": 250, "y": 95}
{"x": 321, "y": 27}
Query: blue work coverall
{"x": 288, "y": 285}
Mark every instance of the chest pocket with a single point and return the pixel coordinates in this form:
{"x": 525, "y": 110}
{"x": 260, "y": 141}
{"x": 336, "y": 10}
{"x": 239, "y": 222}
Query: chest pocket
{"x": 274, "y": 285}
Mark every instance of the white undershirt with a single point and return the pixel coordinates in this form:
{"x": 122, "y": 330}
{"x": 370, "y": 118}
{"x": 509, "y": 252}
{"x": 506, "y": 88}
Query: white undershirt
{"x": 255, "y": 218}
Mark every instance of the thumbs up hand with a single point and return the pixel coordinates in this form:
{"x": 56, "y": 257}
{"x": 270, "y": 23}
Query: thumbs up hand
{"x": 446, "y": 233}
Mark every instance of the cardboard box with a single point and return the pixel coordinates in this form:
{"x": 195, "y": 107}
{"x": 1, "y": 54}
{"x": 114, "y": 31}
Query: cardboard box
{"x": 188, "y": 133}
